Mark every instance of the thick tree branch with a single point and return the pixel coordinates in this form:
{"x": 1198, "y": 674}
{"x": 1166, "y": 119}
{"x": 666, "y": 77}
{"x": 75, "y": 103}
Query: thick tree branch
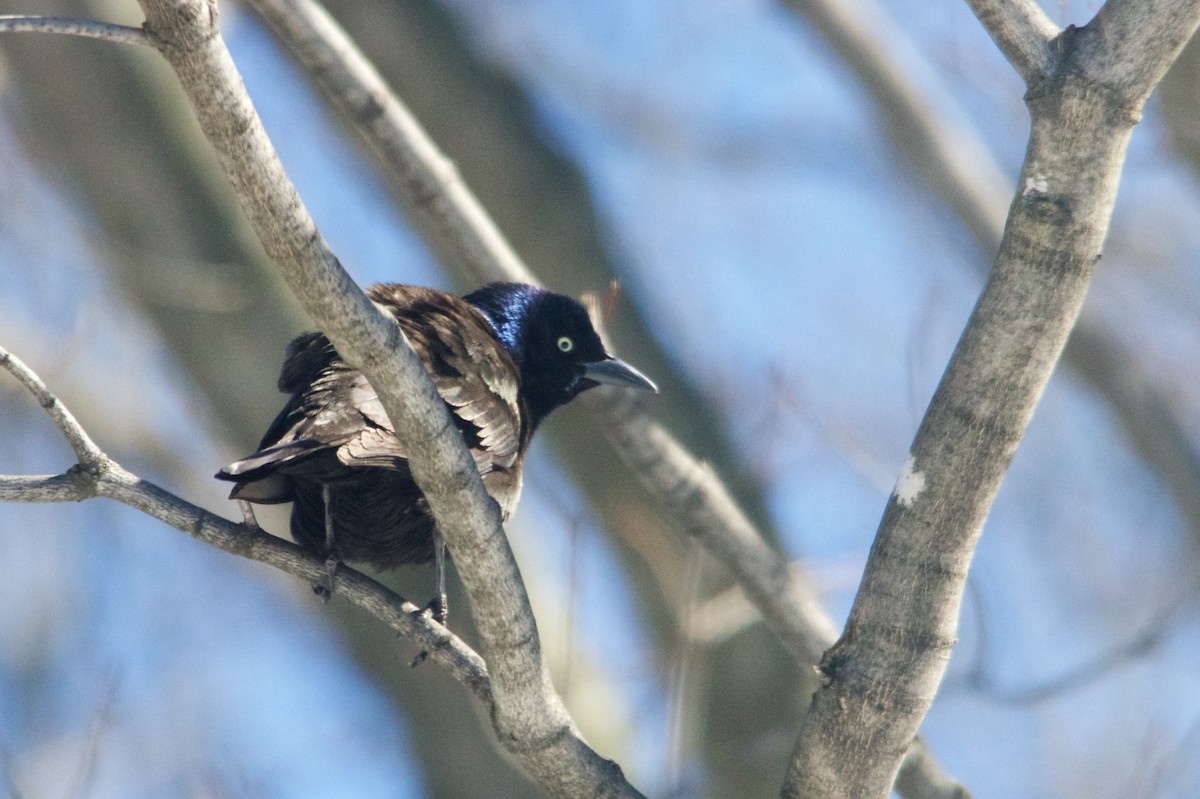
{"x": 530, "y": 719}
{"x": 880, "y": 678}
{"x": 951, "y": 155}
{"x": 122, "y": 34}
{"x": 97, "y": 475}
{"x": 1022, "y": 31}
{"x": 1132, "y": 43}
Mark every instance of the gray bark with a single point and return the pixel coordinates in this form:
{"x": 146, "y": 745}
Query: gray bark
{"x": 879, "y": 680}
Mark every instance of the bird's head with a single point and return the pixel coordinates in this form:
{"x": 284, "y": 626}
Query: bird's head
{"x": 553, "y": 342}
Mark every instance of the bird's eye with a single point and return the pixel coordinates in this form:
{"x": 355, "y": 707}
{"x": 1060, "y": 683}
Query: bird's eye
{"x": 565, "y": 344}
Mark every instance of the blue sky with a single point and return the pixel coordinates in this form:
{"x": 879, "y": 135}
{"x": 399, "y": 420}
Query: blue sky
{"x": 793, "y": 263}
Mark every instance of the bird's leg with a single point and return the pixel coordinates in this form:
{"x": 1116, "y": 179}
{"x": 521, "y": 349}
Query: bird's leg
{"x": 248, "y": 517}
{"x": 440, "y": 604}
{"x": 324, "y": 587}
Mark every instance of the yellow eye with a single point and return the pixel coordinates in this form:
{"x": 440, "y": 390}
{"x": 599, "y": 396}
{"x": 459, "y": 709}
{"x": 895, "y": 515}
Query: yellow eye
{"x": 565, "y": 344}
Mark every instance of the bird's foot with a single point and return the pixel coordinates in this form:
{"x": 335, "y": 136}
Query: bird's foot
{"x": 437, "y": 609}
{"x": 323, "y": 587}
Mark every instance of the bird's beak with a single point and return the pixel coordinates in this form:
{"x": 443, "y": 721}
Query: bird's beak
{"x": 615, "y": 372}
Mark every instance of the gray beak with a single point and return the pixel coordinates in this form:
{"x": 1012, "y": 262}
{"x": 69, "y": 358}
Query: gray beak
{"x": 615, "y": 372}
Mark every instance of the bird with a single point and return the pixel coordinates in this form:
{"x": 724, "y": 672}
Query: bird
{"x": 502, "y": 357}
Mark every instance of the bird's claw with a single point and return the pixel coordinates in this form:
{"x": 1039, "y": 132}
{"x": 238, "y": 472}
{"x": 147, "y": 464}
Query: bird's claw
{"x": 323, "y": 587}
{"x": 439, "y": 608}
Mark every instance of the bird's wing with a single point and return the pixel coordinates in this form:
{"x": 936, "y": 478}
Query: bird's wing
{"x": 470, "y": 368}
{"x": 334, "y": 408}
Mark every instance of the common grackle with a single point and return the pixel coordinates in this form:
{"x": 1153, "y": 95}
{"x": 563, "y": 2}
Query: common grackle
{"x": 502, "y": 358}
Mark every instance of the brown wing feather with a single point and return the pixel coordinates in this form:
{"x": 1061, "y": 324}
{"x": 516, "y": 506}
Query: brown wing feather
{"x": 334, "y": 407}
{"x": 470, "y": 368}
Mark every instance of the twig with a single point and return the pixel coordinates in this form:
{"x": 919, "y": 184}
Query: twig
{"x": 86, "y": 451}
{"x": 104, "y": 477}
{"x": 122, "y": 34}
{"x": 1022, "y": 31}
{"x": 1139, "y": 644}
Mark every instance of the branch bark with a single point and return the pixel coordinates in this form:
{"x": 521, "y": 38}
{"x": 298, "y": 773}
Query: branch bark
{"x": 880, "y": 678}
{"x": 88, "y": 29}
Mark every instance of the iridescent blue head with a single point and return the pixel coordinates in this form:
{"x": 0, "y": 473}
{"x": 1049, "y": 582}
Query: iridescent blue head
{"x": 552, "y": 341}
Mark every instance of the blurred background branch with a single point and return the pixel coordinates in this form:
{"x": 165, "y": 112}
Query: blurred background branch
{"x": 729, "y": 170}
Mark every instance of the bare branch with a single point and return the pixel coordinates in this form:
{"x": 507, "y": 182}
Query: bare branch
{"x": 86, "y": 451}
{"x": 530, "y": 719}
{"x": 1138, "y": 645}
{"x": 942, "y": 143}
{"x": 122, "y": 34}
{"x": 880, "y": 678}
{"x": 104, "y": 477}
{"x": 1135, "y": 42}
{"x": 952, "y": 156}
{"x": 699, "y": 503}
{"x": 437, "y": 201}
{"x": 1022, "y": 31}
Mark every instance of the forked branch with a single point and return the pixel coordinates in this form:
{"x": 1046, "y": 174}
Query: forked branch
{"x": 97, "y": 475}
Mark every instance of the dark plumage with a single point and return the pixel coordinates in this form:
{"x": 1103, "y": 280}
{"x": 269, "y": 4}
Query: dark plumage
{"x": 502, "y": 358}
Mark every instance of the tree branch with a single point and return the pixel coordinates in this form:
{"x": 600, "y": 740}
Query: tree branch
{"x": 86, "y": 451}
{"x": 122, "y": 34}
{"x": 1133, "y": 43}
{"x": 952, "y": 157}
{"x": 880, "y": 678}
{"x": 698, "y": 502}
{"x": 939, "y": 142}
{"x": 437, "y": 201}
{"x": 1022, "y": 31}
{"x": 529, "y": 717}
{"x": 97, "y": 475}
